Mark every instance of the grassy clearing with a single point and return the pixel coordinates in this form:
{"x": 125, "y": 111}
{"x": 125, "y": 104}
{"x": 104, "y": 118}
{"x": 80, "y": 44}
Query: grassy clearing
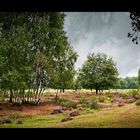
{"x": 39, "y": 116}
{"x": 127, "y": 116}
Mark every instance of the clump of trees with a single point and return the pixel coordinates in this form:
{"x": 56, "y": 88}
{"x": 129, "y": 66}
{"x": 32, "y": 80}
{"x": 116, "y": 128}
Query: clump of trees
{"x": 34, "y": 54}
{"x": 127, "y": 83}
{"x": 98, "y": 72}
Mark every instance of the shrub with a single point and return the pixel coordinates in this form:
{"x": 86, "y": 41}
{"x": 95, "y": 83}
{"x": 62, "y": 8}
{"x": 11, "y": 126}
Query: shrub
{"x": 124, "y": 95}
{"x": 108, "y": 100}
{"x": 82, "y": 100}
{"x": 109, "y": 94}
{"x": 135, "y": 93}
{"x": 138, "y": 102}
{"x": 93, "y": 99}
{"x": 102, "y": 99}
{"x": 94, "y": 105}
{"x": 66, "y": 103}
{"x": 86, "y": 105}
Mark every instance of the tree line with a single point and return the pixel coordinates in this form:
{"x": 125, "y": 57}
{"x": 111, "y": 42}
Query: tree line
{"x": 127, "y": 83}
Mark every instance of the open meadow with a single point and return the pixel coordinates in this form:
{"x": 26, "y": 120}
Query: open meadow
{"x": 110, "y": 109}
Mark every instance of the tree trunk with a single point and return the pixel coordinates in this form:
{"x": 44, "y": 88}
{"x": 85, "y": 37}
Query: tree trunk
{"x": 11, "y": 95}
{"x": 91, "y": 89}
{"x": 23, "y": 92}
{"x": 39, "y": 94}
{"x": 96, "y": 91}
{"x": 28, "y": 96}
{"x": 4, "y": 96}
{"x": 36, "y": 93}
{"x": 63, "y": 90}
{"x": 56, "y": 96}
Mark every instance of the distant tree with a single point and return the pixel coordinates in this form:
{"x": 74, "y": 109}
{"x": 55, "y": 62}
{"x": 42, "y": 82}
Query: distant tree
{"x": 77, "y": 82}
{"x": 135, "y": 25}
{"x": 132, "y": 83}
{"x": 122, "y": 84}
{"x": 98, "y": 72}
{"x": 127, "y": 83}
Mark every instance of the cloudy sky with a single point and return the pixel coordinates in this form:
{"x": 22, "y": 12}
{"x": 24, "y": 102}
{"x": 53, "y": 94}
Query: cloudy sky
{"x": 103, "y": 32}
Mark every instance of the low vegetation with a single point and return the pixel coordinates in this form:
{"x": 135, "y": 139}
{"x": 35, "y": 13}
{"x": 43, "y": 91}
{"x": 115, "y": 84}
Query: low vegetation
{"x": 77, "y": 109}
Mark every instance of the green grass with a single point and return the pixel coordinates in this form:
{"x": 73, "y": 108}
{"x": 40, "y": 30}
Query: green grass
{"x": 124, "y": 117}
{"x": 118, "y": 117}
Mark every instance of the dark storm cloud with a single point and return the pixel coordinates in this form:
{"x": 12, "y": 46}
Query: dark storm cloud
{"x": 103, "y": 32}
{"x": 81, "y": 24}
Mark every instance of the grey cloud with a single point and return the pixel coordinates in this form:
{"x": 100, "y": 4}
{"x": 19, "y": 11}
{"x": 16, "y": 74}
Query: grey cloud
{"x": 80, "y": 24}
{"x": 103, "y": 32}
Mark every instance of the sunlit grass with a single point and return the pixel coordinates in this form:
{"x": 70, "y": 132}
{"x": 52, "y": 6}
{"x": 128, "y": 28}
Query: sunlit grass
{"x": 126, "y": 116}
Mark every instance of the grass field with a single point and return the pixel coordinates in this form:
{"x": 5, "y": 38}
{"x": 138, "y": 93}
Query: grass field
{"x": 124, "y": 117}
{"x": 127, "y": 116}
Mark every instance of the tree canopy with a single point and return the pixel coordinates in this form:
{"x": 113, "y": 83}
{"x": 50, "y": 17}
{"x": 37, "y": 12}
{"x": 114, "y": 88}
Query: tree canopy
{"x": 98, "y": 72}
{"x": 33, "y": 46}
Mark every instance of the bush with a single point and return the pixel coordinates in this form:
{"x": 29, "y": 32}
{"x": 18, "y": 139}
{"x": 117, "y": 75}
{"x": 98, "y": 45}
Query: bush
{"x": 86, "y": 105}
{"x": 66, "y": 103}
{"x": 108, "y": 100}
{"x": 82, "y": 100}
{"x": 135, "y": 93}
{"x": 94, "y": 105}
{"x": 93, "y": 99}
{"x": 138, "y": 102}
{"x": 102, "y": 99}
{"x": 109, "y": 94}
{"x": 124, "y": 95}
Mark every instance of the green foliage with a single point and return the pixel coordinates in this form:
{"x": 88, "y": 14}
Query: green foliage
{"x": 94, "y": 98}
{"x": 102, "y": 99}
{"x": 127, "y": 83}
{"x": 135, "y": 92}
{"x": 77, "y": 82}
{"x": 94, "y": 105}
{"x": 34, "y": 52}
{"x": 108, "y": 100}
{"x": 66, "y": 103}
{"x": 98, "y": 72}
{"x": 82, "y": 100}
{"x": 124, "y": 95}
{"x": 63, "y": 73}
{"x": 138, "y": 102}
{"x": 109, "y": 94}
